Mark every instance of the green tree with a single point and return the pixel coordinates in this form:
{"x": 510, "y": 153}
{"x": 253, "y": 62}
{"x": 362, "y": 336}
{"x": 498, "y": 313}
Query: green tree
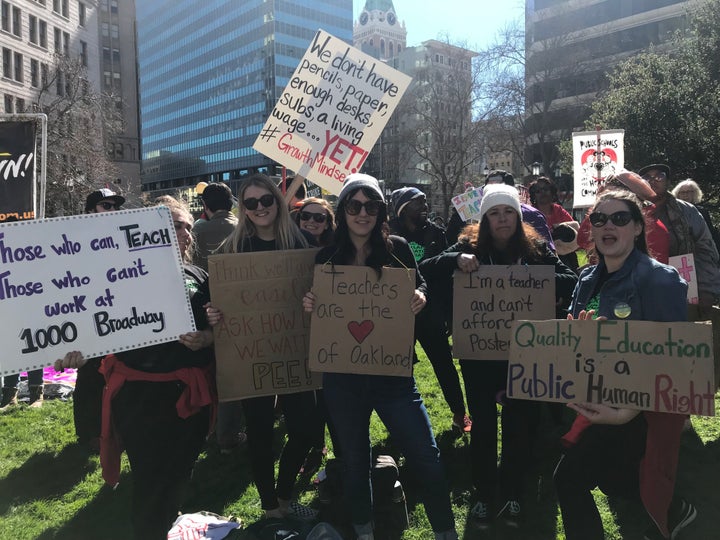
{"x": 669, "y": 104}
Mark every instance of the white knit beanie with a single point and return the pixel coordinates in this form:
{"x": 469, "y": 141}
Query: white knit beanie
{"x": 497, "y": 194}
{"x": 357, "y": 181}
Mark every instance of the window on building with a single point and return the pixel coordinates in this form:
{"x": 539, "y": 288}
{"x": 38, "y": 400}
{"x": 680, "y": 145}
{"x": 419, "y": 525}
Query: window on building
{"x": 114, "y": 31}
{"x": 42, "y": 33}
{"x": 104, "y": 5}
{"x": 33, "y": 31}
{"x": 34, "y": 73}
{"x": 105, "y": 28}
{"x": 60, "y": 83}
{"x": 66, "y": 8}
{"x": 116, "y": 81}
{"x": 7, "y": 63}
{"x": 44, "y": 74}
{"x": 84, "y": 53}
{"x": 19, "y": 67}
{"x": 107, "y": 79}
{"x": 113, "y": 6}
{"x": 106, "y": 55}
{"x": 19, "y": 105}
{"x": 66, "y": 43}
{"x": 56, "y": 6}
{"x": 82, "y": 13}
{"x": 9, "y": 103}
{"x": 17, "y": 21}
{"x": 6, "y": 16}
{"x": 58, "y": 40}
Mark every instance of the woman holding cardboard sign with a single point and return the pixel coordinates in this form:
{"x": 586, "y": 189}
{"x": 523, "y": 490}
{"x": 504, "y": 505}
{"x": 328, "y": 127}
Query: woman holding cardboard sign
{"x": 501, "y": 238}
{"x": 623, "y": 451}
{"x": 361, "y": 239}
{"x": 264, "y": 224}
{"x": 157, "y": 404}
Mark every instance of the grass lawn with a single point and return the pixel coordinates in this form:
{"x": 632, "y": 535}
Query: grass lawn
{"x": 49, "y": 488}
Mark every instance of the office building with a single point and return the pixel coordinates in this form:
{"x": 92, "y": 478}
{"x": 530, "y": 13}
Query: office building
{"x": 570, "y": 47}
{"x": 210, "y": 74}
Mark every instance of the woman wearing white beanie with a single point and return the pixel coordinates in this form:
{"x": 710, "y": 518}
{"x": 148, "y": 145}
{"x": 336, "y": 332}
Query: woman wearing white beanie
{"x": 501, "y": 238}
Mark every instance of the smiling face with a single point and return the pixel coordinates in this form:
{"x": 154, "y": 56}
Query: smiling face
{"x": 503, "y": 221}
{"x": 613, "y": 241}
{"x": 362, "y": 224}
{"x": 262, "y": 217}
{"x": 311, "y": 225}
{"x": 183, "y": 229}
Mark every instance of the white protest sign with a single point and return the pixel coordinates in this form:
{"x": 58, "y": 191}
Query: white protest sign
{"x": 468, "y": 204}
{"x": 593, "y": 163}
{"x": 95, "y": 283}
{"x": 331, "y": 112}
{"x": 685, "y": 265}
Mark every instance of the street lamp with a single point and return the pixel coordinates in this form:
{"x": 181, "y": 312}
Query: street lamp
{"x": 536, "y": 168}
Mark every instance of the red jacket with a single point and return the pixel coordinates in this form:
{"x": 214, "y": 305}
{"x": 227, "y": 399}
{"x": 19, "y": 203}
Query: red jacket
{"x": 198, "y": 393}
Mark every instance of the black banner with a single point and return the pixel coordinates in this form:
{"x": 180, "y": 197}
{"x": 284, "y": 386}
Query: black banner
{"x": 17, "y": 170}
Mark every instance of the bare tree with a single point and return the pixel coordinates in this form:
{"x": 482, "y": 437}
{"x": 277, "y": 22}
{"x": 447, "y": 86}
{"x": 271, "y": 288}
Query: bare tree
{"x": 79, "y": 118}
{"x": 441, "y": 140}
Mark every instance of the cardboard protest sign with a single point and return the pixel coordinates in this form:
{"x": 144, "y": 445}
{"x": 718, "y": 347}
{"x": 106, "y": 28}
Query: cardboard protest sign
{"x": 261, "y": 345}
{"x": 17, "y": 170}
{"x": 468, "y": 204}
{"x": 651, "y": 366}
{"x": 596, "y": 155}
{"x": 487, "y": 302}
{"x": 685, "y": 265}
{"x": 362, "y": 324}
{"x": 95, "y": 283}
{"x": 331, "y": 112}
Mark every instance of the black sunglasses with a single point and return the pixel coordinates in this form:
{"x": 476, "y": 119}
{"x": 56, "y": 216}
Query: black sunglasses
{"x": 619, "y": 219}
{"x": 266, "y": 200}
{"x": 109, "y": 205}
{"x": 318, "y": 218}
{"x": 372, "y": 207}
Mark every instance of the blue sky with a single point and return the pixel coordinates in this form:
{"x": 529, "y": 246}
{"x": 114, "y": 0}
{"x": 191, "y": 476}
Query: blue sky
{"x": 474, "y": 22}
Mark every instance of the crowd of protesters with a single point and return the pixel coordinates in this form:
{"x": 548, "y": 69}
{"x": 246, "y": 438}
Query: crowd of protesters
{"x": 617, "y": 253}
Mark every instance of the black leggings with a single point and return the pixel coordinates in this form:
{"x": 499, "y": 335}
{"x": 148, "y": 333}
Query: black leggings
{"x": 607, "y": 457}
{"x": 300, "y": 418}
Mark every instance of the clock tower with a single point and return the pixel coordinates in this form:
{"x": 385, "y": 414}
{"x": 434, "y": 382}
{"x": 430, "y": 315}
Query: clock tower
{"x": 378, "y": 32}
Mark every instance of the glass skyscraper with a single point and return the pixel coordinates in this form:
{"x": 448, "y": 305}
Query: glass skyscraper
{"x": 210, "y": 73}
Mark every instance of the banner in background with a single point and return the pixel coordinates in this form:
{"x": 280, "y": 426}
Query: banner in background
{"x": 17, "y": 170}
{"x": 596, "y": 155}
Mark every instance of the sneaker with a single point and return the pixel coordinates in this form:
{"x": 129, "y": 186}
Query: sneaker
{"x": 480, "y": 515}
{"x": 510, "y": 513}
{"x": 229, "y": 443}
{"x": 462, "y": 423}
{"x": 300, "y": 511}
{"x": 678, "y": 521}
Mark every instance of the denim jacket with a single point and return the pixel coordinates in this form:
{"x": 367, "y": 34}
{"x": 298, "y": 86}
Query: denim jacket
{"x": 654, "y": 291}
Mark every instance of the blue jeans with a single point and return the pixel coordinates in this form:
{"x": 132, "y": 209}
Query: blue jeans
{"x": 350, "y": 400}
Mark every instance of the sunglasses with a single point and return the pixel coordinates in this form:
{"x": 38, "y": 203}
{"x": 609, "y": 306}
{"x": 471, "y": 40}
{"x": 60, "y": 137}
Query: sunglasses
{"x": 109, "y": 205}
{"x": 266, "y": 200}
{"x": 372, "y": 207}
{"x": 619, "y": 219}
{"x": 318, "y": 218}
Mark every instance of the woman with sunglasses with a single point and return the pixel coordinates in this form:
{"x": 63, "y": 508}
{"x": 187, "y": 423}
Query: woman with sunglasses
{"x": 157, "y": 403}
{"x": 316, "y": 217}
{"x": 361, "y": 239}
{"x": 501, "y": 238}
{"x": 264, "y": 224}
{"x": 624, "y": 452}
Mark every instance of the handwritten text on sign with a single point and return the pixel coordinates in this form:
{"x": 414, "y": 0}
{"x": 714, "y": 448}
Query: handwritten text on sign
{"x": 655, "y": 366}
{"x": 487, "y": 302}
{"x": 97, "y": 283}
{"x": 261, "y": 345}
{"x": 331, "y": 112}
{"x": 362, "y": 324}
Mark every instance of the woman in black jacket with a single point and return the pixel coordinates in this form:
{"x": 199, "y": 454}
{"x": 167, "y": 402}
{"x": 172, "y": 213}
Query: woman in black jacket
{"x": 501, "y": 238}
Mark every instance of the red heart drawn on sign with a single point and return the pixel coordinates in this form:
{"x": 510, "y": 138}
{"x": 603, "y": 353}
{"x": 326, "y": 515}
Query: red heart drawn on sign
{"x": 360, "y": 330}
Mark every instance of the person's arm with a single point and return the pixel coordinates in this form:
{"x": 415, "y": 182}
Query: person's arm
{"x": 603, "y": 414}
